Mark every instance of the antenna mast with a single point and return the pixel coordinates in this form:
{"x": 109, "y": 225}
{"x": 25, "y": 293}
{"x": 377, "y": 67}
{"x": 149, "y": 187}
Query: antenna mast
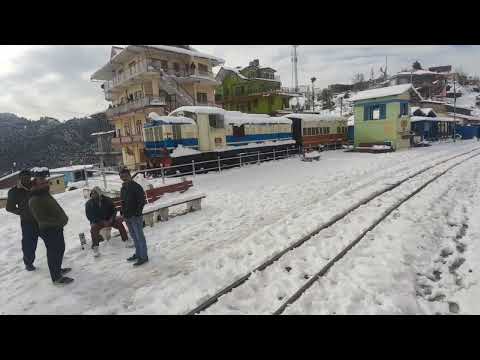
{"x": 294, "y": 67}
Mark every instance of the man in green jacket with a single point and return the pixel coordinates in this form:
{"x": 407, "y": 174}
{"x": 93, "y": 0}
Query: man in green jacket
{"x": 51, "y": 220}
{"x": 17, "y": 203}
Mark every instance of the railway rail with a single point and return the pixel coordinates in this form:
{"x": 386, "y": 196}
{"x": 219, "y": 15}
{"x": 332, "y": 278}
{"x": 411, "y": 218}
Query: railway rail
{"x": 297, "y": 294}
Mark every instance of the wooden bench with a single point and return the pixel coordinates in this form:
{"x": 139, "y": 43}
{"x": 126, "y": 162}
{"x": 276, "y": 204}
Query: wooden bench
{"x": 159, "y": 211}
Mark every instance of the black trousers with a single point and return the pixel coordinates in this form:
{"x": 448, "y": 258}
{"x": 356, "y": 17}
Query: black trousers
{"x": 55, "y": 244}
{"x": 29, "y": 242}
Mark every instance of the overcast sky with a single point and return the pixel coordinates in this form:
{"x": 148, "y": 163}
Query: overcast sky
{"x": 55, "y": 81}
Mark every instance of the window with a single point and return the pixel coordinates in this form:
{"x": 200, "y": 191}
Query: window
{"x": 58, "y": 182}
{"x": 216, "y": 121}
{"x": 132, "y": 68}
{"x": 158, "y": 133}
{"x": 177, "y": 132}
{"x": 239, "y": 130}
{"x": 138, "y": 127}
{"x": 164, "y": 65}
{"x": 176, "y": 67}
{"x": 375, "y": 112}
{"x": 202, "y": 68}
{"x": 404, "y": 109}
{"x": 202, "y": 98}
{"x": 339, "y": 130}
{"x": 237, "y": 91}
{"x": 127, "y": 129}
{"x": 304, "y": 131}
{"x": 225, "y": 92}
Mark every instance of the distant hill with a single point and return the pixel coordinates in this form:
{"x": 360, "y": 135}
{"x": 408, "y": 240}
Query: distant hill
{"x": 47, "y": 142}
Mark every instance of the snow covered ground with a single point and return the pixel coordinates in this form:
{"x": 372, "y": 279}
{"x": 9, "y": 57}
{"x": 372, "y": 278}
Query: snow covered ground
{"x": 249, "y": 215}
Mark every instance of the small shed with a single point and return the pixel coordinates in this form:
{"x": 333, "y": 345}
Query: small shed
{"x": 74, "y": 173}
{"x": 382, "y": 116}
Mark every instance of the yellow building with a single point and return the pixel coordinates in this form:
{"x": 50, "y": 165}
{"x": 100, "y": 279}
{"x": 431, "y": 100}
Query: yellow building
{"x": 140, "y": 79}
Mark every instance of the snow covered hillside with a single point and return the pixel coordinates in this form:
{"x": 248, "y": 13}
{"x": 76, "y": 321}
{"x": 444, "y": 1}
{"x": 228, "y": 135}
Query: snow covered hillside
{"x": 250, "y": 214}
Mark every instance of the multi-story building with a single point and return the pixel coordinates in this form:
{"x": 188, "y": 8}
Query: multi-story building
{"x": 253, "y": 89}
{"x": 140, "y": 79}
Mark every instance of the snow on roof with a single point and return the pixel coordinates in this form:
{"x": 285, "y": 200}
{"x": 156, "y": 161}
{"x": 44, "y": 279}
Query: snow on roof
{"x": 198, "y": 110}
{"x": 238, "y": 118}
{"x": 236, "y": 71}
{"x": 434, "y": 119}
{"x": 467, "y": 117}
{"x": 314, "y": 117}
{"x": 162, "y": 120}
{"x": 102, "y": 133}
{"x": 71, "y": 168}
{"x": 417, "y": 72}
{"x": 423, "y": 111}
{"x": 38, "y": 169}
{"x": 10, "y": 175}
{"x": 191, "y": 52}
{"x": 382, "y": 92}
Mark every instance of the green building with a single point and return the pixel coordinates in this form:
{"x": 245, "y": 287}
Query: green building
{"x": 382, "y": 116}
{"x": 253, "y": 89}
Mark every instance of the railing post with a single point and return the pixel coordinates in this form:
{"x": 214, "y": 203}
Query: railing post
{"x": 219, "y": 164}
{"x": 258, "y": 162}
{"x": 274, "y": 154}
{"x": 287, "y": 151}
{"x": 163, "y": 173}
{"x": 240, "y": 160}
{"x": 86, "y": 176}
{"x": 193, "y": 167}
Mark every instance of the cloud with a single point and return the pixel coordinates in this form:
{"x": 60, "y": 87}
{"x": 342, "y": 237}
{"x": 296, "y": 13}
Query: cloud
{"x": 55, "y": 81}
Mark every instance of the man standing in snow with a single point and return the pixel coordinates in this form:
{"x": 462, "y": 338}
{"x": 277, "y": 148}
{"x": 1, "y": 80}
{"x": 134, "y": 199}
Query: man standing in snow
{"x": 133, "y": 201}
{"x": 51, "y": 220}
{"x": 17, "y": 203}
{"x": 101, "y": 213}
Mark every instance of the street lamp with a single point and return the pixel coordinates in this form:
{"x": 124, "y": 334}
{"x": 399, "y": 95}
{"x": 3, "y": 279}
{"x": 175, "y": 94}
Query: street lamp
{"x": 313, "y": 79}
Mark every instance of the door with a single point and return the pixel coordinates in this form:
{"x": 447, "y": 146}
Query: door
{"x": 297, "y": 130}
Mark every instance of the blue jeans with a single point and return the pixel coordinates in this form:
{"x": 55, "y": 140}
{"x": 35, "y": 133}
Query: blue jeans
{"x": 29, "y": 242}
{"x": 135, "y": 227}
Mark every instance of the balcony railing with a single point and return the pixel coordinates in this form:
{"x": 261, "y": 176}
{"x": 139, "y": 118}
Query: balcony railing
{"x": 127, "y": 139}
{"x": 135, "y": 105}
{"x": 149, "y": 66}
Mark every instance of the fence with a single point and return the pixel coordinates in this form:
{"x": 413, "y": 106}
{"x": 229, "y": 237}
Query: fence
{"x": 220, "y": 164}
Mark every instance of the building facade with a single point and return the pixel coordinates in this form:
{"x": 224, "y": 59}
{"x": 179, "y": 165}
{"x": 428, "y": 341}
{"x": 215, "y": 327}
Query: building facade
{"x": 140, "y": 79}
{"x": 253, "y": 89}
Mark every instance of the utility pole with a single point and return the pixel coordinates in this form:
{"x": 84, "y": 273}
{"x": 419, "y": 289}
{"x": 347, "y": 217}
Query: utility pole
{"x": 294, "y": 66}
{"x": 341, "y": 106}
{"x": 454, "y": 108}
{"x": 313, "y": 79}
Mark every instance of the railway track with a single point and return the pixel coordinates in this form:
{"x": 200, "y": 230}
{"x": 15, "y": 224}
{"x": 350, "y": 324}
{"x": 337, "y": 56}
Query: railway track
{"x": 336, "y": 219}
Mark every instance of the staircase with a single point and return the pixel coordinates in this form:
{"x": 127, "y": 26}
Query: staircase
{"x": 172, "y": 87}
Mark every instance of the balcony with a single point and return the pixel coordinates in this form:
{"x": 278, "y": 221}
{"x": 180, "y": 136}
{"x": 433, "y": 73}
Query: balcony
{"x": 127, "y": 140}
{"x": 148, "y": 68}
{"x": 135, "y": 105}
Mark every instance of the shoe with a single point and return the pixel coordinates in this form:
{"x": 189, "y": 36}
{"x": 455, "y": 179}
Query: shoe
{"x": 140, "y": 262}
{"x": 63, "y": 280}
{"x": 30, "y": 268}
{"x": 65, "y": 271}
{"x": 132, "y": 258}
{"x": 96, "y": 252}
{"x": 129, "y": 244}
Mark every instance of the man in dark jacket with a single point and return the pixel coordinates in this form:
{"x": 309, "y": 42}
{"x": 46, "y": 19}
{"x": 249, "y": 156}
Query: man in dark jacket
{"x": 133, "y": 201}
{"x": 101, "y": 213}
{"x": 51, "y": 220}
{"x": 17, "y": 203}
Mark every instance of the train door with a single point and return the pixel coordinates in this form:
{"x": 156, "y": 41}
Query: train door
{"x": 297, "y": 130}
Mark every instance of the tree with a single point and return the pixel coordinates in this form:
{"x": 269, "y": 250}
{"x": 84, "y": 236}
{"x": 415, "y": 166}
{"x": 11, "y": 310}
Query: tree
{"x": 347, "y": 95}
{"x": 416, "y": 65}
{"x": 462, "y": 76}
{"x": 327, "y": 100}
{"x": 359, "y": 82}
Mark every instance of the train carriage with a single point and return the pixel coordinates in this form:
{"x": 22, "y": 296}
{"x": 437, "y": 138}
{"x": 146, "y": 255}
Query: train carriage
{"x": 202, "y": 133}
{"x": 318, "y": 131}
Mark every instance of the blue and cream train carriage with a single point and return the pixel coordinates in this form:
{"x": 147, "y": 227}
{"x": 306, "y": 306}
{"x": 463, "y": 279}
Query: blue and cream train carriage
{"x": 202, "y": 133}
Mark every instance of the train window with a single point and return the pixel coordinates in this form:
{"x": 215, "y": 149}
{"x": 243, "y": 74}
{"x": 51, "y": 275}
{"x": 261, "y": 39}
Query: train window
{"x": 327, "y": 130}
{"x": 216, "y": 121}
{"x": 158, "y": 133}
{"x": 304, "y": 131}
{"x": 177, "y": 132}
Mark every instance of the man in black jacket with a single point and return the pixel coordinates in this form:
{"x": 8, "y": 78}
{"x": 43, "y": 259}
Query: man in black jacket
{"x": 133, "y": 201}
{"x": 101, "y": 213}
{"x": 17, "y": 203}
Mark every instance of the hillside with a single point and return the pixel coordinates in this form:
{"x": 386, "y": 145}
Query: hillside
{"x": 47, "y": 142}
